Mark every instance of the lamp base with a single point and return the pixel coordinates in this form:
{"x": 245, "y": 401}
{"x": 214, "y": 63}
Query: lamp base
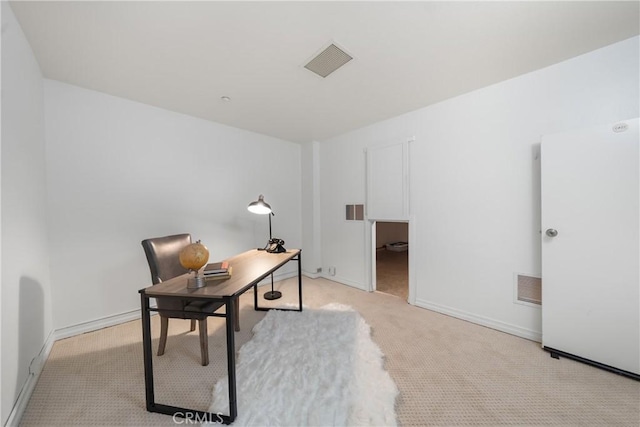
{"x": 271, "y": 295}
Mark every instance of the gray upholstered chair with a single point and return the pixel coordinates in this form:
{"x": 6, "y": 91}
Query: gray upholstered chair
{"x": 163, "y": 257}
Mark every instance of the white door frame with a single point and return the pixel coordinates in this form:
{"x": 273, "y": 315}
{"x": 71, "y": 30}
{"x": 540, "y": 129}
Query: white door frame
{"x": 370, "y": 244}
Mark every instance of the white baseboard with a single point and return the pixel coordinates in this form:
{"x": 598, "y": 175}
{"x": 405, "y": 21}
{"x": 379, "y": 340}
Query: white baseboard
{"x": 23, "y": 400}
{"x": 29, "y": 385}
{"x": 94, "y": 325}
{"x": 344, "y": 281}
{"x": 483, "y": 321}
{"x": 38, "y": 362}
{"x": 311, "y": 275}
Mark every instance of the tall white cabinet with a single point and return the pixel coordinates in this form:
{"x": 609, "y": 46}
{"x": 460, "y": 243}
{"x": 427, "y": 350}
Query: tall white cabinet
{"x": 590, "y": 246}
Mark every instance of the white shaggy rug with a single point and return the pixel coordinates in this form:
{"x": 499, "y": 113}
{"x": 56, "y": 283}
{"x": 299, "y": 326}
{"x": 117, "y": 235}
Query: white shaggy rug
{"x": 311, "y": 368}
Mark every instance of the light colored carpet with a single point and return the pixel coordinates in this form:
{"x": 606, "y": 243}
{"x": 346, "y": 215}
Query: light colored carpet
{"x": 449, "y": 372}
{"x": 310, "y": 368}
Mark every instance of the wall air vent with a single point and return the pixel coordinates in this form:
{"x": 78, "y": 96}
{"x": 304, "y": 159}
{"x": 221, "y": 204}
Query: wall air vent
{"x": 529, "y": 289}
{"x": 329, "y": 60}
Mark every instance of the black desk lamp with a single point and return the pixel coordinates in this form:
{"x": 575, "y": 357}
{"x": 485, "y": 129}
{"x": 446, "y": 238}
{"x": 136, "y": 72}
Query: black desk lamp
{"x": 261, "y": 207}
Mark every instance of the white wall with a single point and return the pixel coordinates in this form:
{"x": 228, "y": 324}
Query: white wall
{"x": 311, "y": 231}
{"x": 475, "y": 196}
{"x": 26, "y": 290}
{"x": 342, "y": 182}
{"x": 120, "y": 172}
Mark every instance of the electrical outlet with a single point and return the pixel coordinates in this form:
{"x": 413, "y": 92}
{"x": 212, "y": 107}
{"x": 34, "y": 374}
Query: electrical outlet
{"x": 332, "y": 271}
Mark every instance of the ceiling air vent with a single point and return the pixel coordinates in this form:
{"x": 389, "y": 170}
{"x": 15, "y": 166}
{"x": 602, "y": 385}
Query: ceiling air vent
{"x": 328, "y": 61}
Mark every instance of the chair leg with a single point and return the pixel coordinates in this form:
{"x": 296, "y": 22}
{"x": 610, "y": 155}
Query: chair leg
{"x": 236, "y": 319}
{"x": 193, "y": 325}
{"x": 164, "y": 327}
{"x": 204, "y": 341}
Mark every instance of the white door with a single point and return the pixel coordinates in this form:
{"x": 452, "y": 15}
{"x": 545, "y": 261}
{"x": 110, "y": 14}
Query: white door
{"x": 590, "y": 244}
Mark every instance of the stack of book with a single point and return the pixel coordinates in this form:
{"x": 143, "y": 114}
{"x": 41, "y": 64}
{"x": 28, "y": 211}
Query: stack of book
{"x": 217, "y": 271}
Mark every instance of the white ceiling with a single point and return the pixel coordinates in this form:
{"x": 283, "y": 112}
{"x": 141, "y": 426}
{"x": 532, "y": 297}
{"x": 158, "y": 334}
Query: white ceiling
{"x": 184, "y": 56}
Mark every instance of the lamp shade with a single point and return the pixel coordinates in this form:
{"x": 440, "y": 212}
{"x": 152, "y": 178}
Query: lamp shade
{"x": 259, "y": 206}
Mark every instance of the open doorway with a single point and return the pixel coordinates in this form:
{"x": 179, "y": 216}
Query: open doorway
{"x": 392, "y": 258}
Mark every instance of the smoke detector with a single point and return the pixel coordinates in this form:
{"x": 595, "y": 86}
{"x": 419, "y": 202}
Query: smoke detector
{"x": 328, "y": 60}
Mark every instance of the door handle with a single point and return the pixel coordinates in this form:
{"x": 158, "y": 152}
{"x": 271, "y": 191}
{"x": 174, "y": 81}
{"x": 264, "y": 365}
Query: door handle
{"x": 551, "y": 232}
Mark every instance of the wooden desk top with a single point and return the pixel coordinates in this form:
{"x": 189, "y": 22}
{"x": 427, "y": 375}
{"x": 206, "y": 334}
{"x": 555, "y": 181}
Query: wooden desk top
{"x": 249, "y": 268}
